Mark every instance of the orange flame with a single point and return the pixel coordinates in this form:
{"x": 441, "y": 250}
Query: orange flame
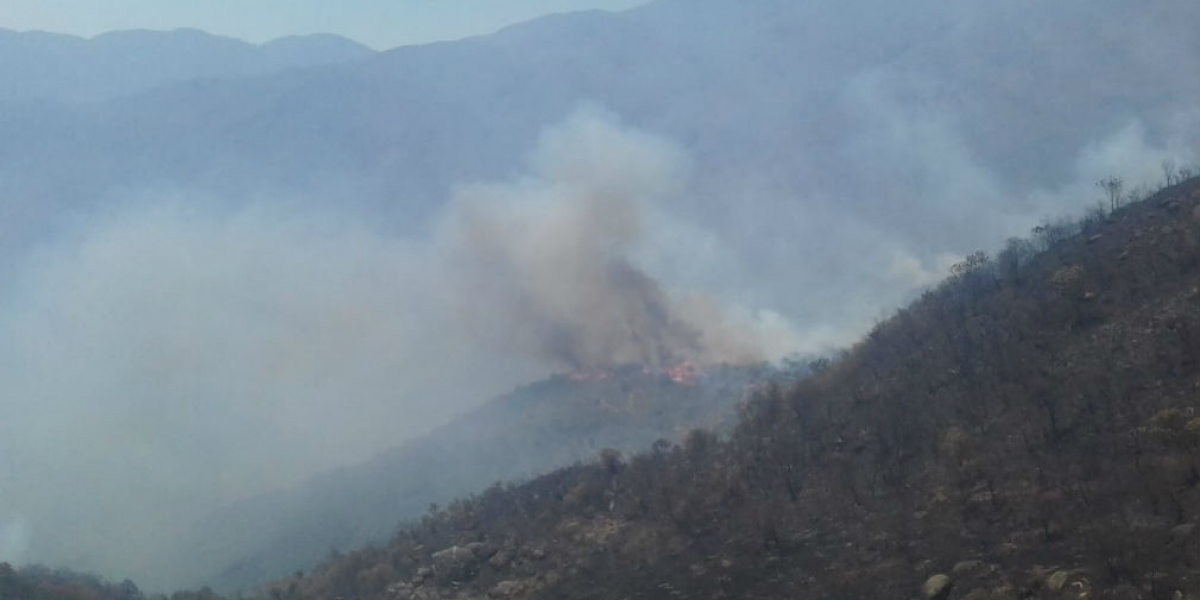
{"x": 683, "y": 373}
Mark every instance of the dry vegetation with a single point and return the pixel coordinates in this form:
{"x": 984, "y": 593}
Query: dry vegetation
{"x": 1030, "y": 428}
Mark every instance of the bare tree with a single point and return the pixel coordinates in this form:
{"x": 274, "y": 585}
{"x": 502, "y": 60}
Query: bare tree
{"x": 1112, "y": 186}
{"x": 1168, "y": 168}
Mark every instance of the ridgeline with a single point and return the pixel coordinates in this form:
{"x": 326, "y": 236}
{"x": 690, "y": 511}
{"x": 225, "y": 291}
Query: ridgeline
{"x": 1029, "y": 428}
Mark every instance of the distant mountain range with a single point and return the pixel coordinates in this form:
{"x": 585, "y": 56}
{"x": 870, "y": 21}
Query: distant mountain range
{"x": 895, "y": 134}
{"x": 47, "y": 67}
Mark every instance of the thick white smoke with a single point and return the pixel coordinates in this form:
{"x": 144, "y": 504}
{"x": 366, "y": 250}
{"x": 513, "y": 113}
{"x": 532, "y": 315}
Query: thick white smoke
{"x": 163, "y": 359}
{"x": 14, "y": 541}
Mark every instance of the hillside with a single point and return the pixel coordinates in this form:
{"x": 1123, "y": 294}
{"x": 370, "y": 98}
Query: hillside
{"x": 1028, "y": 428}
{"x": 223, "y": 284}
{"x": 534, "y": 429}
{"x": 40, "y": 583}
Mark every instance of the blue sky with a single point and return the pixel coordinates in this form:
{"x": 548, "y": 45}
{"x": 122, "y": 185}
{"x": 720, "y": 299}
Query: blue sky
{"x": 378, "y": 23}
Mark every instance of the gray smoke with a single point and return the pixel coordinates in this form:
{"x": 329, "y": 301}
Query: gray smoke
{"x": 547, "y": 265}
{"x": 162, "y": 359}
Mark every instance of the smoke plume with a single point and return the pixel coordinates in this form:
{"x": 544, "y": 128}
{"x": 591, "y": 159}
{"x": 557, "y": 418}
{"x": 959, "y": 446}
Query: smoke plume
{"x": 166, "y": 357}
{"x": 546, "y": 265}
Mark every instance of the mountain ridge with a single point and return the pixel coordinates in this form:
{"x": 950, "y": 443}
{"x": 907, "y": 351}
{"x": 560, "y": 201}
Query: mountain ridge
{"x": 1028, "y": 429}
{"x": 41, "y": 66}
{"x": 413, "y": 122}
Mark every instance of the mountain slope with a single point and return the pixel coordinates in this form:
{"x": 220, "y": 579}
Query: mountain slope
{"x": 851, "y": 146}
{"x": 528, "y": 432}
{"x": 1029, "y": 429}
{"x": 40, "y": 67}
{"x": 780, "y": 104}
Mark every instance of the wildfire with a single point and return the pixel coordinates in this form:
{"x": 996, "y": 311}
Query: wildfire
{"x": 682, "y": 373}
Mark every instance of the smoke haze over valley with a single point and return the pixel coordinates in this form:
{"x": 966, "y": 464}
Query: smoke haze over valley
{"x": 234, "y": 267}
{"x": 168, "y": 346}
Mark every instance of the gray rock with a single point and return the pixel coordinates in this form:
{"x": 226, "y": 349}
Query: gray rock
{"x": 481, "y": 550}
{"x": 1057, "y": 581}
{"x": 501, "y": 559}
{"x": 507, "y": 589}
{"x": 454, "y": 556}
{"x": 937, "y": 587}
{"x": 1181, "y": 533}
{"x": 400, "y": 589}
{"x": 966, "y": 566}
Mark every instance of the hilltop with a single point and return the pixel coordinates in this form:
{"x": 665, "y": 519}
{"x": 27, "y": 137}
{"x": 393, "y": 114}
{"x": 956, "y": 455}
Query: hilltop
{"x": 1028, "y": 428}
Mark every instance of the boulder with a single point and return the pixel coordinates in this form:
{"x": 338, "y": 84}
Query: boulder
{"x": 454, "y": 556}
{"x": 481, "y": 550}
{"x": 507, "y": 589}
{"x": 937, "y": 587}
{"x": 400, "y": 589}
{"x": 966, "y": 566}
{"x": 1181, "y": 533}
{"x": 1057, "y": 581}
{"x": 501, "y": 559}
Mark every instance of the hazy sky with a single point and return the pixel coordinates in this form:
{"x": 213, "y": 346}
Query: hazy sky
{"x": 379, "y": 23}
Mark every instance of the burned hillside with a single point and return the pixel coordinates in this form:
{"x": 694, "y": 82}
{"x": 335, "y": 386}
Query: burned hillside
{"x": 1027, "y": 429}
